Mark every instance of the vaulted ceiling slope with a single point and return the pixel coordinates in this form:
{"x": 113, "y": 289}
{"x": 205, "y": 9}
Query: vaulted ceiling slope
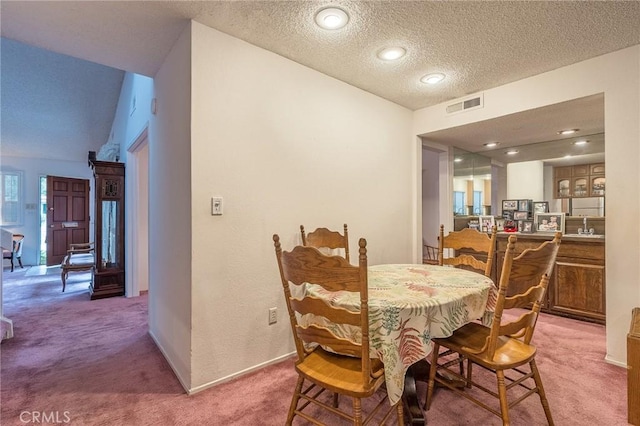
{"x": 54, "y": 106}
{"x": 478, "y": 45}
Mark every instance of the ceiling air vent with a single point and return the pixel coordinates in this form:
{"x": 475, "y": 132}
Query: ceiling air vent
{"x": 466, "y": 105}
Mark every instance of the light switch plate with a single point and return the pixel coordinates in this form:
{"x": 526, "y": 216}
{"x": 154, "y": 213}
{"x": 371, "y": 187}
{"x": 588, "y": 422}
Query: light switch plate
{"x": 216, "y": 206}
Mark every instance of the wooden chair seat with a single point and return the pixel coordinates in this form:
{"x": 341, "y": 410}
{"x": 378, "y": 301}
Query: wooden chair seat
{"x": 473, "y": 337}
{"x": 340, "y": 373}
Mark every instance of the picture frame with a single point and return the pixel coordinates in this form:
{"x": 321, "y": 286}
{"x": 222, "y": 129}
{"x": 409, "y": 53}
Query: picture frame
{"x": 524, "y": 205}
{"x": 518, "y": 215}
{"x": 486, "y": 223}
{"x": 526, "y": 226}
{"x": 509, "y": 204}
{"x": 507, "y": 214}
{"x": 549, "y": 223}
{"x": 541, "y": 207}
{"x": 500, "y": 224}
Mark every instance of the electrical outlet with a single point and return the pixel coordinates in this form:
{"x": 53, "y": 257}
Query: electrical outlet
{"x": 273, "y": 315}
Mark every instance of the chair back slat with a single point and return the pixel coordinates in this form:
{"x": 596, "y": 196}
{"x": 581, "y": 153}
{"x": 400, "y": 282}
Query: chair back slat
{"x": 325, "y": 238}
{"x": 522, "y": 300}
{"x": 313, "y": 305}
{"x": 324, "y": 337}
{"x": 533, "y": 267}
{"x": 306, "y": 265}
{"x": 309, "y": 265}
{"x": 471, "y": 239}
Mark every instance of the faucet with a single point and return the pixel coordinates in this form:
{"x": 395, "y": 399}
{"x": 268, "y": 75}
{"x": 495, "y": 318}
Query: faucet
{"x": 584, "y": 229}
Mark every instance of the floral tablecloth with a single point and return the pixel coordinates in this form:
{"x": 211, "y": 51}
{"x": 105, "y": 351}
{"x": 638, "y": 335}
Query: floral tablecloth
{"x": 410, "y": 304}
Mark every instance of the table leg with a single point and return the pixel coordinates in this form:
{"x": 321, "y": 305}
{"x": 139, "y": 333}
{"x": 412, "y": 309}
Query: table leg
{"x": 413, "y": 408}
{"x": 420, "y": 372}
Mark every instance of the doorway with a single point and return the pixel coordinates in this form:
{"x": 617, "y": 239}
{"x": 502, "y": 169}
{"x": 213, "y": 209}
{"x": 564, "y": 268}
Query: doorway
{"x": 137, "y": 221}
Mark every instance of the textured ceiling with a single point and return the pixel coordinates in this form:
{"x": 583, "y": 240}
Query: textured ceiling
{"x": 478, "y": 45}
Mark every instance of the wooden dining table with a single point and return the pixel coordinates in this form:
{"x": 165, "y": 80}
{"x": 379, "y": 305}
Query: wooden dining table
{"x": 409, "y": 304}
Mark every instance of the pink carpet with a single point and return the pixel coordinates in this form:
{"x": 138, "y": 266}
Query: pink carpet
{"x": 84, "y": 362}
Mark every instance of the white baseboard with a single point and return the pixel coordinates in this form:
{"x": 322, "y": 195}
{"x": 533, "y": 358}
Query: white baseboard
{"x": 239, "y": 373}
{"x": 221, "y": 380}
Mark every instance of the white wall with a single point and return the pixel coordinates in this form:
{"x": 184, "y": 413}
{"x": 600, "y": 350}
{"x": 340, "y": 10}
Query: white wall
{"x": 32, "y": 169}
{"x": 430, "y": 196}
{"x": 170, "y": 249}
{"x": 284, "y": 145}
{"x": 525, "y": 180}
{"x": 131, "y": 120}
{"x": 617, "y": 75}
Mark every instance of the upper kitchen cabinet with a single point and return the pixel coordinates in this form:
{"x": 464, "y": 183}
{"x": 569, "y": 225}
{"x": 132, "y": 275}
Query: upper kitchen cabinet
{"x": 585, "y": 180}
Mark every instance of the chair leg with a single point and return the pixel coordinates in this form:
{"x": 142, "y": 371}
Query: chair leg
{"x": 400, "y": 413}
{"x": 294, "y": 401}
{"x": 63, "y": 277}
{"x": 543, "y": 396}
{"x": 502, "y": 392}
{"x": 432, "y": 375}
{"x": 11, "y": 263}
{"x": 20, "y": 262}
{"x": 357, "y": 412}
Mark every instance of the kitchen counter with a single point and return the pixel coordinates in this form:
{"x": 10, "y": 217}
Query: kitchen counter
{"x": 577, "y": 286}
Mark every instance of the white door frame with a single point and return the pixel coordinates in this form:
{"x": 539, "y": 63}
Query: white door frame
{"x": 137, "y": 220}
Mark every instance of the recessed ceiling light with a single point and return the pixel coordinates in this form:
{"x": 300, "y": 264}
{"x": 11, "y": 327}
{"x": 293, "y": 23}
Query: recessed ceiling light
{"x": 332, "y": 18}
{"x": 582, "y": 142}
{"x": 432, "y": 78}
{"x": 512, "y": 152}
{"x": 457, "y": 160}
{"x": 567, "y": 131}
{"x": 567, "y": 156}
{"x": 491, "y": 144}
{"x": 391, "y": 53}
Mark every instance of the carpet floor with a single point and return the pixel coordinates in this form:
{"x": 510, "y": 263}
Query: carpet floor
{"x": 81, "y": 362}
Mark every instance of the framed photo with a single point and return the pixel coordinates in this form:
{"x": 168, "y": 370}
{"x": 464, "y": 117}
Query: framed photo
{"x": 509, "y": 204}
{"x": 541, "y": 207}
{"x": 486, "y": 223}
{"x": 520, "y": 215}
{"x": 525, "y": 226}
{"x": 507, "y": 214}
{"x": 500, "y": 224}
{"x": 524, "y": 205}
{"x": 549, "y": 222}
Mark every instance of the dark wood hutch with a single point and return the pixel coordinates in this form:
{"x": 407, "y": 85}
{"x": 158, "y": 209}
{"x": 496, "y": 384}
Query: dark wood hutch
{"x": 109, "y": 279}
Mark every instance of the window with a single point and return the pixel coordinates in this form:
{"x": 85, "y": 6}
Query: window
{"x": 458, "y": 202}
{"x": 11, "y": 197}
{"x": 477, "y": 202}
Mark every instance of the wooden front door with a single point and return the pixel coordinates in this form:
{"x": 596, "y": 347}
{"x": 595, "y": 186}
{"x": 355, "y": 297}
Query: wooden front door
{"x": 67, "y": 215}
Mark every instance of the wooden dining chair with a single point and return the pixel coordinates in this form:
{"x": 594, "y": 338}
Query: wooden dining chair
{"x": 505, "y": 347}
{"x": 344, "y": 367}
{"x": 429, "y": 255}
{"x": 323, "y": 238}
{"x": 472, "y": 239}
{"x": 15, "y": 254}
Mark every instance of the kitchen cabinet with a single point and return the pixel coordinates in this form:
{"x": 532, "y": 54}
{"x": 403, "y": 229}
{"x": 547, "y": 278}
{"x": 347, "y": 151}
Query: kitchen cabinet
{"x": 577, "y": 286}
{"x": 586, "y": 180}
